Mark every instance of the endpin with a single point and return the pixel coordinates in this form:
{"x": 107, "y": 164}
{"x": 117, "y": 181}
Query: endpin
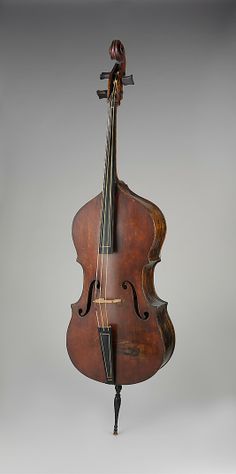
{"x": 117, "y": 402}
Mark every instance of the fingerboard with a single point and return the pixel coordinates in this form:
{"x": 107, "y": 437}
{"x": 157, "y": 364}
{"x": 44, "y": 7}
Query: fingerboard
{"x": 106, "y": 244}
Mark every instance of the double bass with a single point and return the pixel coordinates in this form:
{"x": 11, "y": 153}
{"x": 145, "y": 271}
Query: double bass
{"x": 120, "y": 332}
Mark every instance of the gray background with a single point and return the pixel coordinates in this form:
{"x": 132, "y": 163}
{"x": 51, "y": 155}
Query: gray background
{"x": 176, "y": 148}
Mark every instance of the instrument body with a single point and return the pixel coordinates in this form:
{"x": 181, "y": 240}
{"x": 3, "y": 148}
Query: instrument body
{"x": 141, "y": 346}
{"x": 120, "y": 331}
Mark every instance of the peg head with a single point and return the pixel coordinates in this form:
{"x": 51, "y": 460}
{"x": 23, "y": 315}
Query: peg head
{"x": 116, "y": 78}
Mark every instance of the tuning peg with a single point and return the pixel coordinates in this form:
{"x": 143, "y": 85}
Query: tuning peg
{"x": 128, "y": 80}
{"x": 102, "y": 94}
{"x": 104, "y": 75}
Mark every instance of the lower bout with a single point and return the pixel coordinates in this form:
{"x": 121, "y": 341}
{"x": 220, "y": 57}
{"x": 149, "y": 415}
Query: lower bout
{"x": 132, "y": 361}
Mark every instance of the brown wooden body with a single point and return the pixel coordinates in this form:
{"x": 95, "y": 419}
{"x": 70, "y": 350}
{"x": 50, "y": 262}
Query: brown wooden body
{"x": 140, "y": 347}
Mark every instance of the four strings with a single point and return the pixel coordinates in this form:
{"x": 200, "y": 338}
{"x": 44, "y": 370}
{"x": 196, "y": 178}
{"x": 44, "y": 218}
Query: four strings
{"x": 108, "y": 174}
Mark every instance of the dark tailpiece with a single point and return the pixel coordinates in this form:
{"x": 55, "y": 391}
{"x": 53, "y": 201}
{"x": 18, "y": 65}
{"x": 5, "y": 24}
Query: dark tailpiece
{"x": 117, "y": 402}
{"x": 106, "y": 346}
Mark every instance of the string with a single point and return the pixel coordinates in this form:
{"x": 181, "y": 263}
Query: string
{"x": 110, "y": 203}
{"x": 105, "y": 211}
{"x": 103, "y": 214}
{"x": 101, "y": 219}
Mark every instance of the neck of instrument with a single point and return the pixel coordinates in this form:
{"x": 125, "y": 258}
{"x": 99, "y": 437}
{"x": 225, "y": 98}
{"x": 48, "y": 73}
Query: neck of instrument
{"x": 109, "y": 184}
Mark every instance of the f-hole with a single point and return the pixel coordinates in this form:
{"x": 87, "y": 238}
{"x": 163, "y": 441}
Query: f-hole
{"x": 89, "y": 299}
{"x": 143, "y": 316}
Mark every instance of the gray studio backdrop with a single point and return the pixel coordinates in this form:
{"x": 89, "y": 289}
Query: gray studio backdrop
{"x": 176, "y": 147}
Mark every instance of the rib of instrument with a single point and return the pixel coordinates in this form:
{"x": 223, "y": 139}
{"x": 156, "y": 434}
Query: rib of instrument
{"x": 120, "y": 332}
